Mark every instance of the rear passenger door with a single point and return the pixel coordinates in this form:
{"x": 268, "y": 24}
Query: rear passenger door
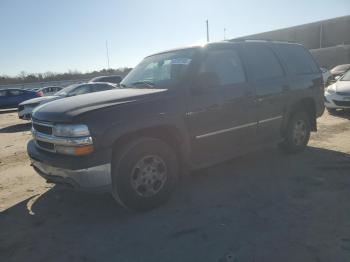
{"x": 268, "y": 79}
{"x": 226, "y": 120}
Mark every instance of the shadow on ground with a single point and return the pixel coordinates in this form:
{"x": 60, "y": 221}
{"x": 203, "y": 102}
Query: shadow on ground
{"x": 16, "y": 128}
{"x": 261, "y": 207}
{"x": 342, "y": 114}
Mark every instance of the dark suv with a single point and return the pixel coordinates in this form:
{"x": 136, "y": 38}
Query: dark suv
{"x": 176, "y": 111}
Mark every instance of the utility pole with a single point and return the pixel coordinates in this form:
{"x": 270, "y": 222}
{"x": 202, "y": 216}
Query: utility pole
{"x": 107, "y": 54}
{"x": 321, "y": 34}
{"x": 207, "y": 23}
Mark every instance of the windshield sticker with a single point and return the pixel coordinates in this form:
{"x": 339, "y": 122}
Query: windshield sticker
{"x": 181, "y": 61}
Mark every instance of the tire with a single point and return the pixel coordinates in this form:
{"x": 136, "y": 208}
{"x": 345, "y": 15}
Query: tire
{"x": 298, "y": 133}
{"x": 332, "y": 111}
{"x": 144, "y": 174}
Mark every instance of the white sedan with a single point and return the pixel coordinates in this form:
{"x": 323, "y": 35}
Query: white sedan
{"x": 337, "y": 95}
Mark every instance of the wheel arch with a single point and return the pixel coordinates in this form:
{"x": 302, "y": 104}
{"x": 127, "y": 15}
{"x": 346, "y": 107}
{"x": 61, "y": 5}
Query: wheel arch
{"x": 307, "y": 105}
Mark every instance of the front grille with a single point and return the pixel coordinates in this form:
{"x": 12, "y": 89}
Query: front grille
{"x": 20, "y": 108}
{"x": 341, "y": 103}
{"x": 45, "y": 145}
{"x": 46, "y": 129}
{"x": 343, "y": 93}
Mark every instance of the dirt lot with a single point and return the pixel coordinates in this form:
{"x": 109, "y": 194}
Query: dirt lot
{"x": 264, "y": 206}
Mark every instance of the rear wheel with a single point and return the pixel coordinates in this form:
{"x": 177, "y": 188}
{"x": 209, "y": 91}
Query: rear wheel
{"x": 144, "y": 174}
{"x": 298, "y": 133}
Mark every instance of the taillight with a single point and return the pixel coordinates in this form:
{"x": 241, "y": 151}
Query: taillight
{"x": 40, "y": 93}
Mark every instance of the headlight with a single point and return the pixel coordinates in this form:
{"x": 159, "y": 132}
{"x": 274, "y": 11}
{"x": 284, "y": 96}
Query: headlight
{"x": 66, "y": 130}
{"x": 330, "y": 90}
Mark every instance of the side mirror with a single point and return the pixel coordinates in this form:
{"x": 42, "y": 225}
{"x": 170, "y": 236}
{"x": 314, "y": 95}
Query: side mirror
{"x": 206, "y": 81}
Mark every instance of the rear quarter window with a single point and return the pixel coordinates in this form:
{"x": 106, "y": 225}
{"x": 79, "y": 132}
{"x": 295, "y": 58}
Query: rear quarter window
{"x": 297, "y": 59}
{"x": 261, "y": 62}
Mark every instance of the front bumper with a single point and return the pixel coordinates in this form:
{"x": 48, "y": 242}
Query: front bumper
{"x": 97, "y": 178}
{"x": 335, "y": 101}
{"x": 25, "y": 112}
{"x": 90, "y": 172}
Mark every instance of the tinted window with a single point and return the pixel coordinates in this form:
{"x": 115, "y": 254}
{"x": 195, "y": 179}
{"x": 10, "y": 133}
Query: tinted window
{"x": 101, "y": 87}
{"x": 226, "y": 65}
{"x": 3, "y": 93}
{"x": 297, "y": 59}
{"x": 262, "y": 62}
{"x": 80, "y": 90}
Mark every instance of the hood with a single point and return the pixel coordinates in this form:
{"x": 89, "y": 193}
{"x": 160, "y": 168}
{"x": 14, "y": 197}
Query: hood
{"x": 64, "y": 110}
{"x": 39, "y": 100}
{"x": 342, "y": 86}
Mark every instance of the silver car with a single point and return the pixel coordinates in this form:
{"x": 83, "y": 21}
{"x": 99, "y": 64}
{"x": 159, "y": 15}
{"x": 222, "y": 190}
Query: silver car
{"x": 26, "y": 108}
{"x": 337, "y": 95}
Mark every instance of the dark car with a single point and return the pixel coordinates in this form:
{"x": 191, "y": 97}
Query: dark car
{"x": 176, "y": 111}
{"x": 26, "y": 108}
{"x": 10, "y": 98}
{"x": 114, "y": 79}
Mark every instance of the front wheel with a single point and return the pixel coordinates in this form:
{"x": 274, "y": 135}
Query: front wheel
{"x": 144, "y": 173}
{"x": 297, "y": 133}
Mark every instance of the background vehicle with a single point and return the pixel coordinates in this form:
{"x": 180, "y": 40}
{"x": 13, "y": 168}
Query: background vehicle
{"x": 114, "y": 79}
{"x": 326, "y": 74}
{"x": 179, "y": 110}
{"x": 25, "y": 108}
{"x": 337, "y": 72}
{"x": 50, "y": 90}
{"x": 10, "y": 98}
{"x": 337, "y": 95}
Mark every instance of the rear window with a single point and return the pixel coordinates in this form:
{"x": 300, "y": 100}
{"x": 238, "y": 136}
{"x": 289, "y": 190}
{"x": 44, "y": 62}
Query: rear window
{"x": 297, "y": 59}
{"x": 262, "y": 63}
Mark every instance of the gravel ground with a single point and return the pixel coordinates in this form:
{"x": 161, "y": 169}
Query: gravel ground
{"x": 265, "y": 206}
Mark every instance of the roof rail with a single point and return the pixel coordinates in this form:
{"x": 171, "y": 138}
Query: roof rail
{"x": 260, "y": 40}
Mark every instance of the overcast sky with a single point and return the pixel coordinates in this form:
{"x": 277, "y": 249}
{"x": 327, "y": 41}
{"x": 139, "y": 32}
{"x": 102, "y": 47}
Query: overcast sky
{"x": 51, "y": 35}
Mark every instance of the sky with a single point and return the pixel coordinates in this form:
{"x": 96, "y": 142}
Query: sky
{"x": 37, "y": 36}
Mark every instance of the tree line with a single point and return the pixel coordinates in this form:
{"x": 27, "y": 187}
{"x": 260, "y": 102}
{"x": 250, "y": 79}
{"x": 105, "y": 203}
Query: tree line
{"x": 24, "y": 77}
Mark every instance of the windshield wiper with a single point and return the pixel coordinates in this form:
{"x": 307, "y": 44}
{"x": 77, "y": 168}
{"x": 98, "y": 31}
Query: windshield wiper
{"x": 145, "y": 83}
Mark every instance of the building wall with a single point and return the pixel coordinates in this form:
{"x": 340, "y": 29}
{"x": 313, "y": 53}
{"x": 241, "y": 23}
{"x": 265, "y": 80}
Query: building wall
{"x": 330, "y": 57}
{"x": 315, "y": 35}
{"x": 328, "y": 40}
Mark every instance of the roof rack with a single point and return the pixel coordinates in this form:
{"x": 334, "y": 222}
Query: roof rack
{"x": 259, "y": 40}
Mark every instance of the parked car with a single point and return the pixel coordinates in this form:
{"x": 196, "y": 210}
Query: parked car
{"x": 114, "y": 79}
{"x": 50, "y": 90}
{"x": 337, "y": 72}
{"x": 10, "y": 98}
{"x": 326, "y": 74}
{"x": 26, "y": 108}
{"x": 179, "y": 110}
{"x": 337, "y": 95}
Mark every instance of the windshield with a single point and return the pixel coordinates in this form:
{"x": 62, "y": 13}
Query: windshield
{"x": 346, "y": 76}
{"x": 159, "y": 71}
{"x": 66, "y": 90}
